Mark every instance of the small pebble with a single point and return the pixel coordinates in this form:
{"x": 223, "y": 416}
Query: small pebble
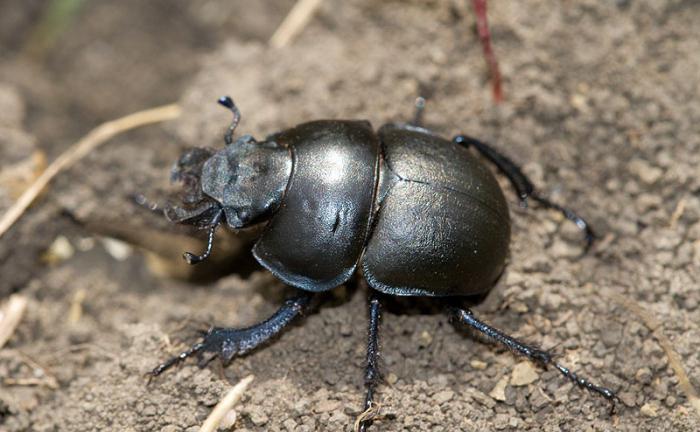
{"x": 229, "y": 419}
{"x": 119, "y": 250}
{"x": 290, "y": 425}
{"x": 501, "y": 421}
{"x": 649, "y": 410}
{"x": 481, "y": 398}
{"x": 258, "y": 417}
{"x": 643, "y": 375}
{"x": 627, "y": 398}
{"x": 478, "y": 364}
{"x": 425, "y": 339}
{"x": 59, "y": 251}
{"x": 523, "y": 374}
{"x": 443, "y": 396}
{"x": 499, "y": 390}
{"x": 327, "y": 406}
{"x": 644, "y": 171}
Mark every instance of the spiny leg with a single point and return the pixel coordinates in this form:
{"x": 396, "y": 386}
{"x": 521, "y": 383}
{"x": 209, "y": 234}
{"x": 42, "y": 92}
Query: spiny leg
{"x": 523, "y": 186}
{"x": 226, "y": 343}
{"x": 372, "y": 375}
{"x": 543, "y": 358}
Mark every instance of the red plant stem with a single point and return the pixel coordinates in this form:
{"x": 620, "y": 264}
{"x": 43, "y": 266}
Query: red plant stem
{"x": 482, "y": 26}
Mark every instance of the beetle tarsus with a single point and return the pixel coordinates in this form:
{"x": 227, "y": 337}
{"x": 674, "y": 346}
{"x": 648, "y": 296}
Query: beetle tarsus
{"x": 195, "y": 349}
{"x": 580, "y": 222}
{"x": 523, "y": 186}
{"x": 227, "y": 343}
{"x": 372, "y": 374}
{"x": 227, "y": 102}
{"x": 541, "y": 357}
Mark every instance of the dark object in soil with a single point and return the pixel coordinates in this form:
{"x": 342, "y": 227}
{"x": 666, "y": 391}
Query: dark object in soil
{"x": 423, "y": 215}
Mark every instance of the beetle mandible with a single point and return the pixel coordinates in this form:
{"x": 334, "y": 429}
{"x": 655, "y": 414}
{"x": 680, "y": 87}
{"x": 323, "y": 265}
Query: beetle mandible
{"x": 419, "y": 214}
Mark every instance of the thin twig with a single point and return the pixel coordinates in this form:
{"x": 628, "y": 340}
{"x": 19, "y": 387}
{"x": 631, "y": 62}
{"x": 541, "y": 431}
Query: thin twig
{"x": 80, "y": 149}
{"x": 674, "y": 359}
{"x": 10, "y": 317}
{"x": 677, "y": 213}
{"x": 294, "y": 22}
{"x": 225, "y": 405}
{"x": 482, "y": 26}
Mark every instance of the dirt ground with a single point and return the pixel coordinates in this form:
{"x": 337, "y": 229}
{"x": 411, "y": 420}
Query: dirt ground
{"x": 601, "y": 109}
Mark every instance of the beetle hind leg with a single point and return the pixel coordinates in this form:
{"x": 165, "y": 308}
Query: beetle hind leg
{"x": 523, "y": 186}
{"x": 227, "y": 343}
{"x": 543, "y": 358}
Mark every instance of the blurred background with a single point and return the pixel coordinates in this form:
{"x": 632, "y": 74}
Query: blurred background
{"x": 77, "y": 63}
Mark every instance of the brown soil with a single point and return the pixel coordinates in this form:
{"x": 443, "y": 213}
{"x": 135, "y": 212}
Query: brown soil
{"x": 601, "y": 109}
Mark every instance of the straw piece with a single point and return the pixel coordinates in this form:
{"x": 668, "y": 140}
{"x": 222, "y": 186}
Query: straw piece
{"x": 10, "y": 317}
{"x": 294, "y": 22}
{"x": 80, "y": 149}
{"x": 674, "y": 359}
{"x": 224, "y": 406}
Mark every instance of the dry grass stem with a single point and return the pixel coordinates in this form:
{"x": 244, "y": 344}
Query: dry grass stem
{"x": 674, "y": 359}
{"x": 224, "y": 406}
{"x": 10, "y": 316}
{"x": 76, "y": 306}
{"x": 677, "y": 213}
{"x": 294, "y": 22}
{"x": 79, "y": 150}
{"x": 370, "y": 413}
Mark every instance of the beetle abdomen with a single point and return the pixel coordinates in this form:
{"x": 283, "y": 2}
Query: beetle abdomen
{"x": 315, "y": 238}
{"x": 442, "y": 225}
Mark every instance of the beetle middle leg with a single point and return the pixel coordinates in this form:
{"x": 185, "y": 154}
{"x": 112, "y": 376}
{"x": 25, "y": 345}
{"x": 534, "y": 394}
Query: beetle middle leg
{"x": 372, "y": 375}
{"x": 543, "y": 358}
{"x": 227, "y": 343}
{"x": 522, "y": 184}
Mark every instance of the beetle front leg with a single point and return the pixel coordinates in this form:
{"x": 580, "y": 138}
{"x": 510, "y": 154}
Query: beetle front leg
{"x": 522, "y": 184}
{"x": 227, "y": 343}
{"x": 543, "y": 358}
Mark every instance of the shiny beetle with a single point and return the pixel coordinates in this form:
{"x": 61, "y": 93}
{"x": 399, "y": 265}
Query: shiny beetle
{"x": 420, "y": 215}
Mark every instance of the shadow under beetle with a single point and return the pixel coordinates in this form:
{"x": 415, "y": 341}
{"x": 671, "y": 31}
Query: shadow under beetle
{"x": 420, "y": 215}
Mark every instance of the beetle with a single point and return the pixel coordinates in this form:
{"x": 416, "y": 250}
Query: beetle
{"x": 418, "y": 214}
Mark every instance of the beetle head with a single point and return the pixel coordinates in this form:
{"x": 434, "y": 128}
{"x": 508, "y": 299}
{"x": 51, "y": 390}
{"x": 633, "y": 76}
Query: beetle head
{"x": 244, "y": 182}
{"x": 247, "y": 179}
{"x": 196, "y": 208}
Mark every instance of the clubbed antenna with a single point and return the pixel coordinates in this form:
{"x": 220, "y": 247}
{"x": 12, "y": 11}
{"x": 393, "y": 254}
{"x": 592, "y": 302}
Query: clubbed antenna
{"x": 228, "y": 103}
{"x": 420, "y": 109}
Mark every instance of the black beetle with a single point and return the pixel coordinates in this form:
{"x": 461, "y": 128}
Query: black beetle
{"x": 420, "y": 214}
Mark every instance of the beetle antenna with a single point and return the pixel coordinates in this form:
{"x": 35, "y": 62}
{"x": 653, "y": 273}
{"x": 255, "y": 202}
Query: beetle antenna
{"x": 420, "y": 109}
{"x": 227, "y": 102}
{"x": 194, "y": 259}
{"x": 144, "y": 202}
